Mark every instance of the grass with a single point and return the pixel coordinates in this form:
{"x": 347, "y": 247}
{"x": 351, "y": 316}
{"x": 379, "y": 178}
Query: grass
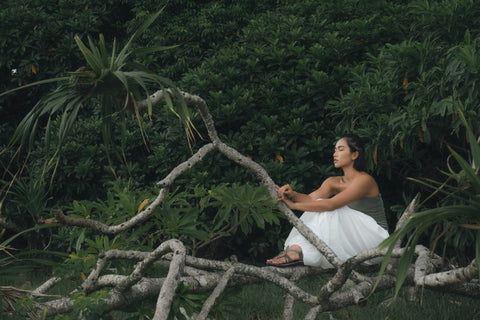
{"x": 265, "y": 302}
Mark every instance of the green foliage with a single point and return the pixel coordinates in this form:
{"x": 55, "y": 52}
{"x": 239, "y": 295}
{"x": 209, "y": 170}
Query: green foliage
{"x": 199, "y": 219}
{"x": 242, "y": 205}
{"x": 282, "y": 79}
{"x": 29, "y": 196}
{"x": 15, "y": 264}
{"x": 84, "y": 245}
{"x": 460, "y": 208}
{"x": 89, "y": 307}
{"x": 408, "y": 95}
{"x": 446, "y": 20}
{"x": 122, "y": 201}
{"x": 186, "y": 302}
{"x": 202, "y": 218}
{"x": 267, "y": 91}
{"x": 37, "y": 43}
{"x": 272, "y": 60}
{"x": 104, "y": 80}
{"x": 200, "y": 27}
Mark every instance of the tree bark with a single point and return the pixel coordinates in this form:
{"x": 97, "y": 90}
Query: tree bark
{"x": 222, "y": 284}
{"x": 167, "y": 293}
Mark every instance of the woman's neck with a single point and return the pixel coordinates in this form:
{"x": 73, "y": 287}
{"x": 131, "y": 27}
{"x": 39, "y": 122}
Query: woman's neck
{"x": 350, "y": 173}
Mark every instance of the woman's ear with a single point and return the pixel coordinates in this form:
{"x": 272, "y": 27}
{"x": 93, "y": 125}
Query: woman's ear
{"x": 355, "y": 155}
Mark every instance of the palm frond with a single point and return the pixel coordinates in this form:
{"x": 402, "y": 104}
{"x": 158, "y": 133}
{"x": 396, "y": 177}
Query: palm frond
{"x": 105, "y": 79}
{"x": 465, "y": 215}
{"x": 472, "y": 175}
{"x": 125, "y": 52}
{"x": 46, "y": 81}
{"x": 149, "y": 50}
{"x": 451, "y": 192}
{"x": 90, "y": 57}
{"x": 415, "y": 227}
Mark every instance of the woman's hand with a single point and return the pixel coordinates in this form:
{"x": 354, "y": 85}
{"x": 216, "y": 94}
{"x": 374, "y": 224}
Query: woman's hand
{"x": 284, "y": 191}
{"x": 283, "y": 195}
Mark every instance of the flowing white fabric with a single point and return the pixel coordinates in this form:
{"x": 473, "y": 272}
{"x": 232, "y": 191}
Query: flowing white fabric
{"x": 346, "y": 231}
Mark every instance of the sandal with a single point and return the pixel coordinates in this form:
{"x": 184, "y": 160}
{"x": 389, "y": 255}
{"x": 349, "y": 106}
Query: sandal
{"x": 289, "y": 262}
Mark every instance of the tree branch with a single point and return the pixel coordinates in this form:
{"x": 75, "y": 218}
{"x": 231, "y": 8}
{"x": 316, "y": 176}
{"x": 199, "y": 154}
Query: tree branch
{"x": 452, "y": 277}
{"x": 165, "y": 298}
{"x": 215, "y": 294}
{"x": 204, "y": 274}
{"x": 185, "y": 166}
{"x": 106, "y": 229}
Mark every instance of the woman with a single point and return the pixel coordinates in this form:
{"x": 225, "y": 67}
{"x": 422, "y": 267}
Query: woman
{"x": 346, "y": 212}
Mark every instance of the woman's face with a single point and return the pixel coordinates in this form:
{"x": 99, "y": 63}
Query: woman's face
{"x": 343, "y": 156}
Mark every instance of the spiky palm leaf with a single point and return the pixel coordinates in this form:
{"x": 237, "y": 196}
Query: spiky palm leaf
{"x": 465, "y": 214}
{"x": 110, "y": 81}
{"x": 13, "y": 263}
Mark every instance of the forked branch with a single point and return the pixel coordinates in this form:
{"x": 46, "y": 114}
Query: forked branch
{"x": 205, "y": 274}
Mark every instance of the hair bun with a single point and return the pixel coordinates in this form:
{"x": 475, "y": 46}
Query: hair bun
{"x": 357, "y": 141}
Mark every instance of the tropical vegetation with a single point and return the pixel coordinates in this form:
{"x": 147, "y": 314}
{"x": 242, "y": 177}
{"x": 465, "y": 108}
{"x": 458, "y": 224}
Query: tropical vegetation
{"x": 282, "y": 79}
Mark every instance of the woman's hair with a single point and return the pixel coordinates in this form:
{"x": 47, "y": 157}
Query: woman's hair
{"x": 355, "y": 143}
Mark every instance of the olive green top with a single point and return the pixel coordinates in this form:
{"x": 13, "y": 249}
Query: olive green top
{"x": 372, "y": 207}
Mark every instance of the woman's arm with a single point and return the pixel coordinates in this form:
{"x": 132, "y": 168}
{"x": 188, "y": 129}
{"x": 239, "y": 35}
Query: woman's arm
{"x": 360, "y": 187}
{"x": 325, "y": 191}
{"x": 287, "y": 192}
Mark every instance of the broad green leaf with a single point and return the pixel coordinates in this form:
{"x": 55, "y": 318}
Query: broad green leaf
{"x": 258, "y": 219}
{"x": 80, "y": 240}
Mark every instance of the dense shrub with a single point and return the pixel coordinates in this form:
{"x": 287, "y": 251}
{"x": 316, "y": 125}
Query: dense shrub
{"x": 269, "y": 92}
{"x": 36, "y": 42}
{"x": 283, "y": 79}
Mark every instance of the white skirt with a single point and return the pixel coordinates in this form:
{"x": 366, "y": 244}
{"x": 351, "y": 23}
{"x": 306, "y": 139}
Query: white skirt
{"x": 346, "y": 231}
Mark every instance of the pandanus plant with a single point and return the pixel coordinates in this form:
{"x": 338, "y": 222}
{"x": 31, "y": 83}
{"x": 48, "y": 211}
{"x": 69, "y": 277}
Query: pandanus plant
{"x": 111, "y": 81}
{"x": 463, "y": 211}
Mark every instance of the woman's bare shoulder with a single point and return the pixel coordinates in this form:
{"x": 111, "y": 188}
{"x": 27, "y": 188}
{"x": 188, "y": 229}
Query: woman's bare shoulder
{"x": 368, "y": 179}
{"x": 365, "y": 176}
{"x": 368, "y": 183}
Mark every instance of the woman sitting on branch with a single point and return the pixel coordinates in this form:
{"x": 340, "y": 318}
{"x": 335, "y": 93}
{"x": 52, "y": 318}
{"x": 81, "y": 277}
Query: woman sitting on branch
{"x": 346, "y": 212}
